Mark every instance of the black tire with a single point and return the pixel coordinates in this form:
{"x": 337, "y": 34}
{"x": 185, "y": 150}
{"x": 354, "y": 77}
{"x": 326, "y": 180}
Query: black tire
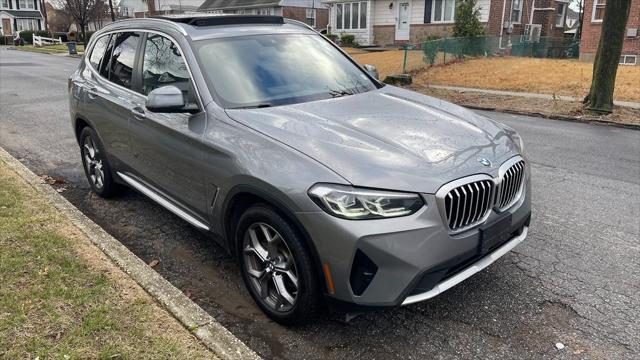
{"x": 106, "y": 187}
{"x": 308, "y": 296}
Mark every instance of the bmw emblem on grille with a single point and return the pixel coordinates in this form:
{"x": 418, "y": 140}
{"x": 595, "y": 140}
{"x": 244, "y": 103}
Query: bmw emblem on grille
{"x": 484, "y": 162}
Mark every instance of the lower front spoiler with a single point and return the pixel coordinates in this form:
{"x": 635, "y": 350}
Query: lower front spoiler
{"x": 469, "y": 271}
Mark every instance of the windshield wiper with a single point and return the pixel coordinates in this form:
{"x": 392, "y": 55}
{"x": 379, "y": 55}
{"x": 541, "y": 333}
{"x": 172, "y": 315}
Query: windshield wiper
{"x": 257, "y": 106}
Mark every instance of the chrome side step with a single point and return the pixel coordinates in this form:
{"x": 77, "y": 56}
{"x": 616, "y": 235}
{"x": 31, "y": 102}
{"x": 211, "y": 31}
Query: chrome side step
{"x": 162, "y": 201}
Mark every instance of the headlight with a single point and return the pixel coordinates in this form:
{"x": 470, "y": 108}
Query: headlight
{"x": 520, "y": 142}
{"x": 357, "y": 204}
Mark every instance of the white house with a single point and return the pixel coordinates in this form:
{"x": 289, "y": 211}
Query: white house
{"x": 383, "y": 22}
{"x": 19, "y": 15}
{"x": 140, "y": 8}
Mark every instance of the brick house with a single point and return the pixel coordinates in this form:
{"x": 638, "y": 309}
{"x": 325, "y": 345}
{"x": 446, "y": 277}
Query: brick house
{"x": 312, "y": 12}
{"x": 593, "y": 15}
{"x": 384, "y": 22}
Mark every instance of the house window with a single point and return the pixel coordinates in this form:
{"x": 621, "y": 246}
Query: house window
{"x": 560, "y": 12}
{"x": 311, "y": 17}
{"x": 598, "y": 10}
{"x": 516, "y": 11}
{"x": 443, "y": 10}
{"x": 628, "y": 59}
{"x": 27, "y": 24}
{"x": 26, "y": 4}
{"x": 5, "y": 4}
{"x": 351, "y": 16}
{"x": 266, "y": 11}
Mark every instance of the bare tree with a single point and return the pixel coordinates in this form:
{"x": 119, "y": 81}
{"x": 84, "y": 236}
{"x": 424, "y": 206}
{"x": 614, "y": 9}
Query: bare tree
{"x": 605, "y": 66}
{"x": 113, "y": 15}
{"x": 82, "y": 12}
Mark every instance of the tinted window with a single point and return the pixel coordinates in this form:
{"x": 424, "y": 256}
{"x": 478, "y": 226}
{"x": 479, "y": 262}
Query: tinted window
{"x": 163, "y": 65}
{"x": 98, "y": 50}
{"x": 268, "y": 70}
{"x": 123, "y": 58}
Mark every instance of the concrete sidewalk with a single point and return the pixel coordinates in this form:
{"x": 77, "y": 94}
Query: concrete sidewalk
{"x": 629, "y": 104}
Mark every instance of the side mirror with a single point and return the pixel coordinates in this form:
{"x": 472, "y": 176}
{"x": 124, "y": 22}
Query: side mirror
{"x": 372, "y": 71}
{"x": 166, "y": 99}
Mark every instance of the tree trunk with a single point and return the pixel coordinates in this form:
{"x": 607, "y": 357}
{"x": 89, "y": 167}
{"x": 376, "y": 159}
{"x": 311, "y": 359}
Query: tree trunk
{"x": 605, "y": 66}
{"x": 113, "y": 15}
{"x": 44, "y": 15}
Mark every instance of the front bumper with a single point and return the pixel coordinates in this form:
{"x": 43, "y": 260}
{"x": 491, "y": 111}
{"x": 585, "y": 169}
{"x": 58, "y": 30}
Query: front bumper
{"x": 416, "y": 257}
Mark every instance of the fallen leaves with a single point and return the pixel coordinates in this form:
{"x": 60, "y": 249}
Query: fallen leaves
{"x": 46, "y": 179}
{"x": 154, "y": 263}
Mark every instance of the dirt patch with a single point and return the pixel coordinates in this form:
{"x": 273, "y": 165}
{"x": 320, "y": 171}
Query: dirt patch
{"x": 558, "y": 109}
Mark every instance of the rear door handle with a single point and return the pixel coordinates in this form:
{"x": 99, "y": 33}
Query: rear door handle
{"x": 138, "y": 113}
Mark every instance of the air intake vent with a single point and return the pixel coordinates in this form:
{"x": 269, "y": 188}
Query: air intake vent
{"x": 468, "y": 204}
{"x": 363, "y": 271}
{"x": 510, "y": 186}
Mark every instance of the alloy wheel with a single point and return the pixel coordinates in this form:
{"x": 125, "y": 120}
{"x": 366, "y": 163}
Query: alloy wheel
{"x": 93, "y": 163}
{"x": 270, "y": 266}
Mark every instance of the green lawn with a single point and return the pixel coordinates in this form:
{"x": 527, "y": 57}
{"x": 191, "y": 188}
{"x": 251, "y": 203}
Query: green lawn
{"x": 51, "y": 49}
{"x": 61, "y": 298}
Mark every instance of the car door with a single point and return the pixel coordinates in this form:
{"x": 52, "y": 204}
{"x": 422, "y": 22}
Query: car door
{"x": 168, "y": 146}
{"x": 110, "y": 97}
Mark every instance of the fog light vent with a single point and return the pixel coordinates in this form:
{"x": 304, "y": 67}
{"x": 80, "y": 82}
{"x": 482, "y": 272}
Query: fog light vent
{"x": 362, "y": 273}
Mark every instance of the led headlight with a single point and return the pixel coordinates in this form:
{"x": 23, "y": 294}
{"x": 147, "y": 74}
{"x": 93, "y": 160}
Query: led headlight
{"x": 357, "y": 204}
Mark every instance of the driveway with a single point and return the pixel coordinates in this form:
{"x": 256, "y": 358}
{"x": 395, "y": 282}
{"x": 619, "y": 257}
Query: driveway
{"x": 576, "y": 280}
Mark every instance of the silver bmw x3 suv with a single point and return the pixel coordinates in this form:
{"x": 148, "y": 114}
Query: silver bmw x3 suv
{"x": 329, "y": 186}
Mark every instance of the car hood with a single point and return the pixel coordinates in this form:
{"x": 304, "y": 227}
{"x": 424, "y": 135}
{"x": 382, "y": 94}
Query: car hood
{"x": 389, "y": 138}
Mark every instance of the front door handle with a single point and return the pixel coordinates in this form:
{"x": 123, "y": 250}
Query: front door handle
{"x": 92, "y": 93}
{"x": 138, "y": 113}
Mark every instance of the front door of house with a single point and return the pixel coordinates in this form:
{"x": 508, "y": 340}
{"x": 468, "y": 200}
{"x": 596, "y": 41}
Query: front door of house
{"x": 6, "y": 27}
{"x": 403, "y": 20}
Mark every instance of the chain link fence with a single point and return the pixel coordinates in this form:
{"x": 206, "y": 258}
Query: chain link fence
{"x": 447, "y": 50}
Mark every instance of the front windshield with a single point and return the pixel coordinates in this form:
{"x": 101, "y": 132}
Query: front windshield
{"x": 271, "y": 70}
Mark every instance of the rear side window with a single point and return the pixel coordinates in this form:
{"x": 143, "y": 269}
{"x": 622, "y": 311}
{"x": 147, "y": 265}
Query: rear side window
{"x": 123, "y": 58}
{"x": 98, "y": 51}
{"x": 163, "y": 65}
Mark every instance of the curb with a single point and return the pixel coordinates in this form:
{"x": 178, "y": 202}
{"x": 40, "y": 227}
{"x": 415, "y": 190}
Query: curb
{"x": 202, "y": 325}
{"x": 576, "y": 119}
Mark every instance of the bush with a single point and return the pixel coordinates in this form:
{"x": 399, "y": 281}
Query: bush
{"x": 6, "y": 40}
{"x": 467, "y": 22}
{"x": 347, "y": 40}
{"x": 88, "y": 34}
{"x": 430, "y": 50}
{"x": 27, "y": 36}
{"x": 332, "y": 37}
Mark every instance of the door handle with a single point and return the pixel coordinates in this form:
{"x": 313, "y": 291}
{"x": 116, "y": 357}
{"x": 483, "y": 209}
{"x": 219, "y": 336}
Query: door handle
{"x": 92, "y": 93}
{"x": 138, "y": 113}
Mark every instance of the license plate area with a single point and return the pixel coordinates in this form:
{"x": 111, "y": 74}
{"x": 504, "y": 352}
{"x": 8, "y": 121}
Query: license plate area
{"x": 495, "y": 234}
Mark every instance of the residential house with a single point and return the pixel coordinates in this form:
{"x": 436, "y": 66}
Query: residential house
{"x": 144, "y": 8}
{"x": 592, "y": 27}
{"x": 384, "y": 22}
{"x": 19, "y": 15}
{"x": 312, "y": 12}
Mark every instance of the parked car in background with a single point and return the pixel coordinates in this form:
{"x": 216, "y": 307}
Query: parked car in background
{"x": 324, "y": 182}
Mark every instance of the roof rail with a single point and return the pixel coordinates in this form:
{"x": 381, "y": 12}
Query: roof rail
{"x": 214, "y": 20}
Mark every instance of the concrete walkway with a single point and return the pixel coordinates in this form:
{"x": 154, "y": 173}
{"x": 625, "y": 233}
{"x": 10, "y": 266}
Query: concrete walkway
{"x": 629, "y": 104}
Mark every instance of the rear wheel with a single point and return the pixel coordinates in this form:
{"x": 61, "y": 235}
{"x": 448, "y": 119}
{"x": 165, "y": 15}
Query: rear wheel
{"x": 95, "y": 163}
{"x": 276, "y": 266}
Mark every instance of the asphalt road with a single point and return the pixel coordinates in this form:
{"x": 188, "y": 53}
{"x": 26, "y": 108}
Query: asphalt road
{"x": 576, "y": 280}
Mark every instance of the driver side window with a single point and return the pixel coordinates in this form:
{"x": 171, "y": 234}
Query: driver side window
{"x": 163, "y": 65}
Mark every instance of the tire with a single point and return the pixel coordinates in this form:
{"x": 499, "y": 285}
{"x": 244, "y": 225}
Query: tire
{"x": 96, "y": 165}
{"x": 262, "y": 269}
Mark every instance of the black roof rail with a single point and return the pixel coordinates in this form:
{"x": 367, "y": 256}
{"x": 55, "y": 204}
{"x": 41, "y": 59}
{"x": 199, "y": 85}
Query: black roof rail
{"x": 214, "y": 20}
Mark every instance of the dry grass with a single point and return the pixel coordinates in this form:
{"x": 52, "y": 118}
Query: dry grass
{"x": 62, "y": 298}
{"x": 389, "y": 62}
{"x": 546, "y": 76}
{"x": 539, "y": 107}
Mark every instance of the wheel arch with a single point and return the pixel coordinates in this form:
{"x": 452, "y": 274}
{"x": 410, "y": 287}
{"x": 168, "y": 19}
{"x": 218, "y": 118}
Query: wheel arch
{"x": 242, "y": 197}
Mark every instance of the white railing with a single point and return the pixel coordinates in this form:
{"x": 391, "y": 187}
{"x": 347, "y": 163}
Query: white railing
{"x": 41, "y": 41}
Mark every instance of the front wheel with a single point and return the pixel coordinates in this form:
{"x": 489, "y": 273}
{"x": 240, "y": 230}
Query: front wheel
{"x": 276, "y": 266}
